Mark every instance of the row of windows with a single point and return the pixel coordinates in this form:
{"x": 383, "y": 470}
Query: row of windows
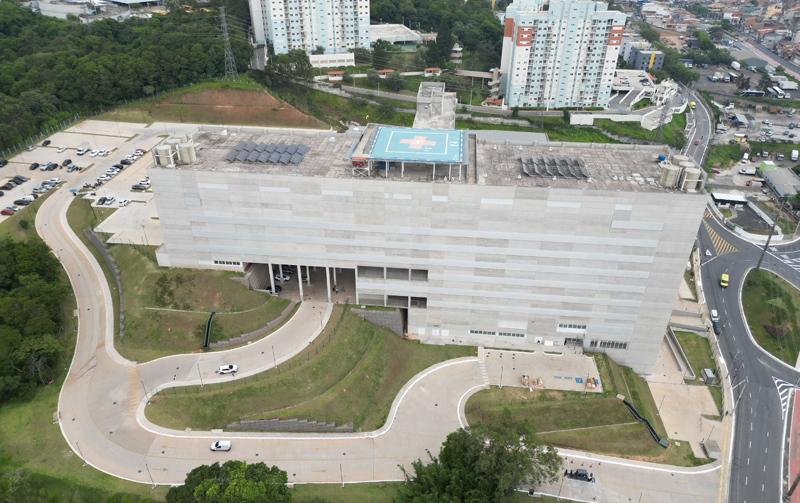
{"x": 566, "y": 325}
{"x": 608, "y": 344}
{"x": 481, "y": 332}
{"x": 511, "y": 334}
{"x": 226, "y": 262}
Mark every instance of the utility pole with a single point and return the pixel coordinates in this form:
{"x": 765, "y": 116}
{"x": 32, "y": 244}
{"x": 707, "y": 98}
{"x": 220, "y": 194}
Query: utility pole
{"x": 230, "y": 63}
{"x": 769, "y": 238}
{"x": 738, "y": 400}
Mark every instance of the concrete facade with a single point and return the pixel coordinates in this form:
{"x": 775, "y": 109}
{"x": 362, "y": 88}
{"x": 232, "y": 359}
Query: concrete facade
{"x": 483, "y": 262}
{"x": 646, "y": 59}
{"x": 561, "y": 57}
{"x": 336, "y": 25}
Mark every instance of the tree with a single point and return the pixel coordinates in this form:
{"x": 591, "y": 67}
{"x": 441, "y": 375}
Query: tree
{"x": 649, "y": 34}
{"x": 380, "y": 54}
{"x": 743, "y": 83}
{"x": 233, "y": 482}
{"x": 433, "y": 58}
{"x": 765, "y": 82}
{"x": 373, "y": 78}
{"x": 362, "y": 56}
{"x": 318, "y": 50}
{"x": 515, "y": 112}
{"x": 485, "y": 463}
{"x": 698, "y": 10}
{"x": 395, "y": 81}
{"x": 444, "y": 40}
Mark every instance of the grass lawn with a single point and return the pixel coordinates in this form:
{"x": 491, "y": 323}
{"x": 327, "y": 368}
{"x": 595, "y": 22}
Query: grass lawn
{"x": 49, "y": 470}
{"x": 381, "y": 492}
{"x": 151, "y": 334}
{"x": 698, "y": 351}
{"x": 688, "y": 275}
{"x": 723, "y": 156}
{"x": 769, "y": 301}
{"x": 673, "y": 132}
{"x": 555, "y": 128}
{"x": 550, "y": 410}
{"x": 380, "y": 362}
{"x": 14, "y": 227}
{"x": 606, "y": 415}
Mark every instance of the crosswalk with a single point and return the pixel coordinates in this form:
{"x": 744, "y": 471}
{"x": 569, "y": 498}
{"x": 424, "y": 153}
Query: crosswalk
{"x": 134, "y": 389}
{"x": 785, "y": 392}
{"x": 793, "y": 262}
{"x": 721, "y": 247}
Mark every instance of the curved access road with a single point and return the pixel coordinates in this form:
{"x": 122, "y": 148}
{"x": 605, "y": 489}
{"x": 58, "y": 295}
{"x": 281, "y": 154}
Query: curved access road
{"x": 102, "y": 403}
{"x": 761, "y": 382}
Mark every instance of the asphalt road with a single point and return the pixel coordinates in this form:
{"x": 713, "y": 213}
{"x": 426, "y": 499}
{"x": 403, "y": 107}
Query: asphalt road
{"x": 702, "y": 130}
{"x": 766, "y": 53}
{"x": 757, "y": 448}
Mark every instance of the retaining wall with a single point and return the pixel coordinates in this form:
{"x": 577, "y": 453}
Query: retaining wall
{"x": 290, "y": 425}
{"x": 257, "y": 333}
{"x": 393, "y": 320}
{"x": 112, "y": 266}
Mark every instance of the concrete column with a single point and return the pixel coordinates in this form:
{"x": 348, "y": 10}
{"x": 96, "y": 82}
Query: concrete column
{"x": 334, "y": 277}
{"x": 402, "y": 168}
{"x": 272, "y": 278}
{"x": 300, "y": 280}
{"x": 434, "y": 172}
{"x": 355, "y": 279}
{"x": 459, "y": 172}
{"x": 449, "y": 171}
{"x": 308, "y": 274}
{"x": 328, "y": 282}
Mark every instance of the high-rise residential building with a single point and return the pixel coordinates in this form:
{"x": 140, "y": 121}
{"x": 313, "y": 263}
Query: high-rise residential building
{"x": 561, "y": 57}
{"x": 336, "y": 25}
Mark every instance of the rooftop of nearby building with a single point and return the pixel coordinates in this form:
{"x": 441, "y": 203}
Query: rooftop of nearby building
{"x": 394, "y": 33}
{"x": 487, "y": 159}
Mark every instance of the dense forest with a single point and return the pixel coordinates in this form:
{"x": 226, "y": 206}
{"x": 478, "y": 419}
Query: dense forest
{"x": 31, "y": 295}
{"x": 473, "y": 23}
{"x": 51, "y": 68}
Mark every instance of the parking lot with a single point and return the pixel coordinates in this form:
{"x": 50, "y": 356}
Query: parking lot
{"x": 135, "y": 223}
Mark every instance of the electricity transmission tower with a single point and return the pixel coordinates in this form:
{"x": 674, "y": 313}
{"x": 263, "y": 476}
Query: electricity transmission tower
{"x": 662, "y": 122}
{"x": 230, "y": 63}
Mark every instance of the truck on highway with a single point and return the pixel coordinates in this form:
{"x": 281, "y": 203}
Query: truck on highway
{"x": 748, "y": 171}
{"x": 736, "y": 66}
{"x": 83, "y": 148}
{"x": 794, "y": 155}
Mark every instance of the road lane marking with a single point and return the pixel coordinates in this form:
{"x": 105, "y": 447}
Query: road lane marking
{"x": 720, "y": 245}
{"x": 784, "y": 392}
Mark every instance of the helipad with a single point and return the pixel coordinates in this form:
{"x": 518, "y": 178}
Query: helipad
{"x": 418, "y": 145}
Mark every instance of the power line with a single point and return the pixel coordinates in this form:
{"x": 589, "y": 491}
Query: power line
{"x": 230, "y": 62}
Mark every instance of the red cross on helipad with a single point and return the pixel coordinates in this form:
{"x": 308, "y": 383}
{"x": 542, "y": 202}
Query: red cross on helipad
{"x": 418, "y": 142}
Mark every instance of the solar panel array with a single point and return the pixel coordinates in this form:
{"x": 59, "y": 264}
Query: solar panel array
{"x": 543, "y": 165}
{"x": 272, "y": 153}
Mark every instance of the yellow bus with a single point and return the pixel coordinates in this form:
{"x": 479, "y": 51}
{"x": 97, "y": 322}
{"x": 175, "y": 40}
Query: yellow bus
{"x": 693, "y": 105}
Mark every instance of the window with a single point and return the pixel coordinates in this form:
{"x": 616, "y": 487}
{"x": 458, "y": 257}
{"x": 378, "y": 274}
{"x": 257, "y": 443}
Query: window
{"x": 511, "y": 334}
{"x": 481, "y": 332}
{"x": 608, "y": 344}
{"x": 226, "y": 262}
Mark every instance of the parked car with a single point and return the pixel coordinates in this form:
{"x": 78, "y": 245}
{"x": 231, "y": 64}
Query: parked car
{"x": 34, "y": 166}
{"x": 287, "y": 269}
{"x": 31, "y": 148}
{"x": 46, "y": 143}
{"x": 61, "y": 149}
{"x": 278, "y": 289}
{"x": 7, "y": 212}
{"x": 124, "y": 202}
{"x": 22, "y": 202}
{"x": 93, "y": 153}
{"x": 144, "y": 181}
{"x": 119, "y": 167}
{"x": 71, "y": 168}
{"x": 6, "y": 187}
{"x": 138, "y": 187}
{"x": 103, "y": 178}
{"x": 131, "y": 157}
{"x": 20, "y": 178}
{"x": 228, "y": 369}
{"x": 110, "y": 200}
{"x": 3, "y": 162}
{"x": 282, "y": 277}
{"x": 139, "y": 151}
{"x": 717, "y": 327}
{"x": 66, "y": 162}
{"x": 111, "y": 172}
{"x": 51, "y": 166}
{"x": 13, "y": 208}
{"x": 125, "y": 162}
{"x": 102, "y": 152}
{"x": 54, "y": 181}
{"x": 221, "y": 445}
{"x": 39, "y": 190}
{"x": 101, "y": 201}
{"x": 716, "y": 171}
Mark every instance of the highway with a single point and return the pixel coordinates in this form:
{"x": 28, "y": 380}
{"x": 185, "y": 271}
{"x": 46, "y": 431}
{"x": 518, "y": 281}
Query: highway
{"x": 758, "y": 434}
{"x": 702, "y": 130}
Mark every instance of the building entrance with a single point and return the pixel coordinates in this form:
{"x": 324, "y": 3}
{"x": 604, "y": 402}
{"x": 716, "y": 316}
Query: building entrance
{"x": 303, "y": 282}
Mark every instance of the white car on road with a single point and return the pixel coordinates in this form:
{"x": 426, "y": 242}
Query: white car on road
{"x": 228, "y": 369}
{"x": 221, "y": 445}
{"x": 102, "y": 152}
{"x": 94, "y": 153}
{"x": 104, "y": 178}
{"x": 144, "y": 181}
{"x": 124, "y": 202}
{"x": 61, "y": 149}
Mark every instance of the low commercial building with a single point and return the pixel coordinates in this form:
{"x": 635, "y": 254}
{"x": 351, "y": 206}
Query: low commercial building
{"x": 646, "y": 59}
{"x": 782, "y": 181}
{"x": 396, "y": 34}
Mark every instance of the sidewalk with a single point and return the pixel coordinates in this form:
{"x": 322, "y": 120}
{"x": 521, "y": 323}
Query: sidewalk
{"x": 794, "y": 446}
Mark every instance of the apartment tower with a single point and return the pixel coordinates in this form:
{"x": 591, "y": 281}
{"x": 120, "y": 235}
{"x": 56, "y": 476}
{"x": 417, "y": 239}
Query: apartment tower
{"x": 561, "y": 57}
{"x": 336, "y": 25}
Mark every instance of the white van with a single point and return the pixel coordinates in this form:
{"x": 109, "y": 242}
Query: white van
{"x": 83, "y": 148}
{"x": 714, "y": 315}
{"x": 745, "y": 157}
{"x": 794, "y": 155}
